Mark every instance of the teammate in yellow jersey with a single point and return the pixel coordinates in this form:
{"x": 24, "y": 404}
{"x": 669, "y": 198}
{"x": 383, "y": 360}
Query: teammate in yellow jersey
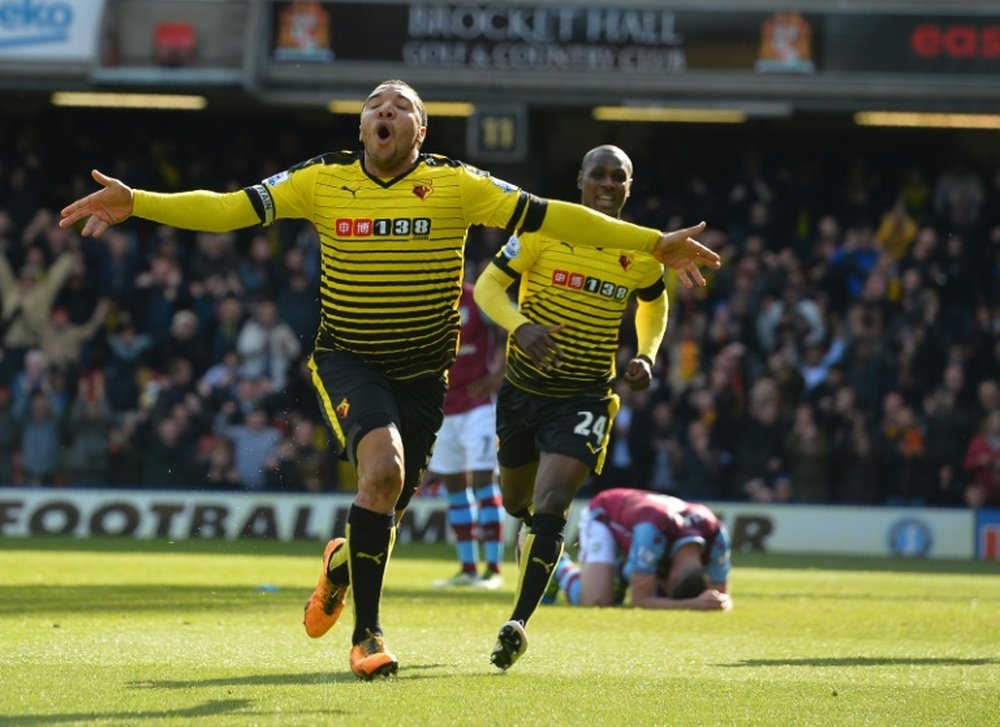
{"x": 392, "y": 222}
{"x": 555, "y": 408}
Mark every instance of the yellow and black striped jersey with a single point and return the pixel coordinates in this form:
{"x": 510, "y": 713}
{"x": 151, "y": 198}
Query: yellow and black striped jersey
{"x": 586, "y": 290}
{"x": 392, "y": 251}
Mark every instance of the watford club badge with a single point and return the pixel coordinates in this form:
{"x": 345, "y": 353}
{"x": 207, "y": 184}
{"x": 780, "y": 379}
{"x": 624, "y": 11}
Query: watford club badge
{"x": 343, "y": 407}
{"x": 625, "y": 261}
{"x": 423, "y": 189}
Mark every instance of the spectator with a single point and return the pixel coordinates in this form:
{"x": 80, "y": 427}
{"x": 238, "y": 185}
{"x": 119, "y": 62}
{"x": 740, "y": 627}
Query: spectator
{"x": 174, "y": 387}
{"x": 665, "y": 448}
{"x": 219, "y": 383}
{"x": 982, "y": 464}
{"x": 118, "y": 266}
{"x": 126, "y": 349}
{"x": 183, "y": 341}
{"x": 902, "y": 450}
{"x": 947, "y": 432}
{"x": 258, "y": 271}
{"x": 9, "y": 439}
{"x": 207, "y": 295}
{"x": 165, "y": 457}
{"x": 700, "y": 470}
{"x": 28, "y": 297}
{"x": 959, "y": 194}
{"x": 216, "y": 465}
{"x": 61, "y": 340}
{"x": 215, "y": 255}
{"x": 38, "y": 376}
{"x": 255, "y": 442}
{"x": 897, "y": 230}
{"x": 807, "y": 455}
{"x": 87, "y": 459}
{"x": 296, "y": 301}
{"x": 758, "y": 458}
{"x": 300, "y": 463}
{"x": 267, "y": 345}
{"x": 161, "y": 293}
{"x": 41, "y": 442}
{"x": 229, "y": 318}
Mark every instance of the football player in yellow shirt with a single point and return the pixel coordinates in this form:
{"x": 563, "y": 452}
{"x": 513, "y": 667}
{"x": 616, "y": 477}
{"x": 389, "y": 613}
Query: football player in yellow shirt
{"x": 392, "y": 221}
{"x": 556, "y": 407}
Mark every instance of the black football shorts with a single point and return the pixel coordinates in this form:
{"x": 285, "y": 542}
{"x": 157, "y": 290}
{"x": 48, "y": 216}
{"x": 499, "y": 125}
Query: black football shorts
{"x": 356, "y": 398}
{"x": 577, "y": 427}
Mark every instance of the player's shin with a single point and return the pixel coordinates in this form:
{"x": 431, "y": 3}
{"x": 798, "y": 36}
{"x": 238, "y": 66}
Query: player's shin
{"x": 542, "y": 549}
{"x": 370, "y": 537}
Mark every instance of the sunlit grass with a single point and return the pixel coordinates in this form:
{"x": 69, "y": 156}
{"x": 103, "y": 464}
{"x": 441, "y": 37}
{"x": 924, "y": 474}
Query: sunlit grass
{"x": 210, "y": 634}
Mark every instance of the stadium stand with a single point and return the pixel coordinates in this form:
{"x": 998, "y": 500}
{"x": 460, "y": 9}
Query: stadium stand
{"x": 847, "y": 352}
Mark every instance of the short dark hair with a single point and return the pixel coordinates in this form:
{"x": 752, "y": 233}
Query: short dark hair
{"x": 690, "y": 584}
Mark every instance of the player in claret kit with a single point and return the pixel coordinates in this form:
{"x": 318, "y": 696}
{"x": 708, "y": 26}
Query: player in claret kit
{"x": 465, "y": 454}
{"x": 392, "y": 222}
{"x": 668, "y": 553}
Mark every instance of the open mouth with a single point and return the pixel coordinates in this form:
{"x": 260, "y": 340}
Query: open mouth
{"x": 383, "y": 132}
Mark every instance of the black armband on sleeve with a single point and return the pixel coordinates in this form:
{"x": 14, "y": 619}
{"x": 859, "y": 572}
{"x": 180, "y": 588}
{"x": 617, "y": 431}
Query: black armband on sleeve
{"x": 262, "y": 201}
{"x": 526, "y": 220}
{"x": 535, "y": 214}
{"x": 653, "y": 292}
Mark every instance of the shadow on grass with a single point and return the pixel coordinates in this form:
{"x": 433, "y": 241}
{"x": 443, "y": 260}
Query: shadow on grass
{"x": 256, "y": 680}
{"x": 132, "y": 599}
{"x": 211, "y": 708}
{"x": 865, "y": 661}
{"x": 782, "y": 561}
{"x": 208, "y": 546}
{"x": 154, "y": 598}
{"x": 901, "y": 597}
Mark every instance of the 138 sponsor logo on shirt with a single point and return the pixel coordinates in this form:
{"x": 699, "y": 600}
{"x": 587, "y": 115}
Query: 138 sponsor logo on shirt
{"x": 579, "y": 281}
{"x": 383, "y": 227}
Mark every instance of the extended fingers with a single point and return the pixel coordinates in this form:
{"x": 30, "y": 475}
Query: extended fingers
{"x": 706, "y": 255}
{"x": 93, "y": 227}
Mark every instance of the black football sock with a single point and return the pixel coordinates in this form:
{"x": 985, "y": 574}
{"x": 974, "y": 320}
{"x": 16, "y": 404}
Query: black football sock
{"x": 542, "y": 549}
{"x": 369, "y": 540}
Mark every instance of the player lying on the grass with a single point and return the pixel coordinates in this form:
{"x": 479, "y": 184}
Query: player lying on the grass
{"x": 555, "y": 407}
{"x": 668, "y": 553}
{"x": 392, "y": 221}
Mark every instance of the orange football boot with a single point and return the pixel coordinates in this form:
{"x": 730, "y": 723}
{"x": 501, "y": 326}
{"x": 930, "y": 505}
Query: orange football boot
{"x": 327, "y": 602}
{"x": 371, "y": 658}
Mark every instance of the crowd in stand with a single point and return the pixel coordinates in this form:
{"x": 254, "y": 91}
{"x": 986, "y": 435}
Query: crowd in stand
{"x": 847, "y": 352}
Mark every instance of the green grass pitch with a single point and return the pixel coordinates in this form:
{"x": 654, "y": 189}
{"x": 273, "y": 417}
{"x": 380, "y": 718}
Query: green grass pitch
{"x": 114, "y": 632}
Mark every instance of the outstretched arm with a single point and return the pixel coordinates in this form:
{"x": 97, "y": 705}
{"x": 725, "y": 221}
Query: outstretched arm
{"x": 677, "y": 249}
{"x": 196, "y": 210}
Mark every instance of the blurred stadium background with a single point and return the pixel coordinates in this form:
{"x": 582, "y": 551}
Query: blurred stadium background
{"x": 825, "y": 391}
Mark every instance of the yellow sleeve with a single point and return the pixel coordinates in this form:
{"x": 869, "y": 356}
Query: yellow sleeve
{"x": 584, "y": 226}
{"x": 493, "y": 202}
{"x": 197, "y": 210}
{"x": 650, "y": 325}
{"x": 490, "y": 294}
